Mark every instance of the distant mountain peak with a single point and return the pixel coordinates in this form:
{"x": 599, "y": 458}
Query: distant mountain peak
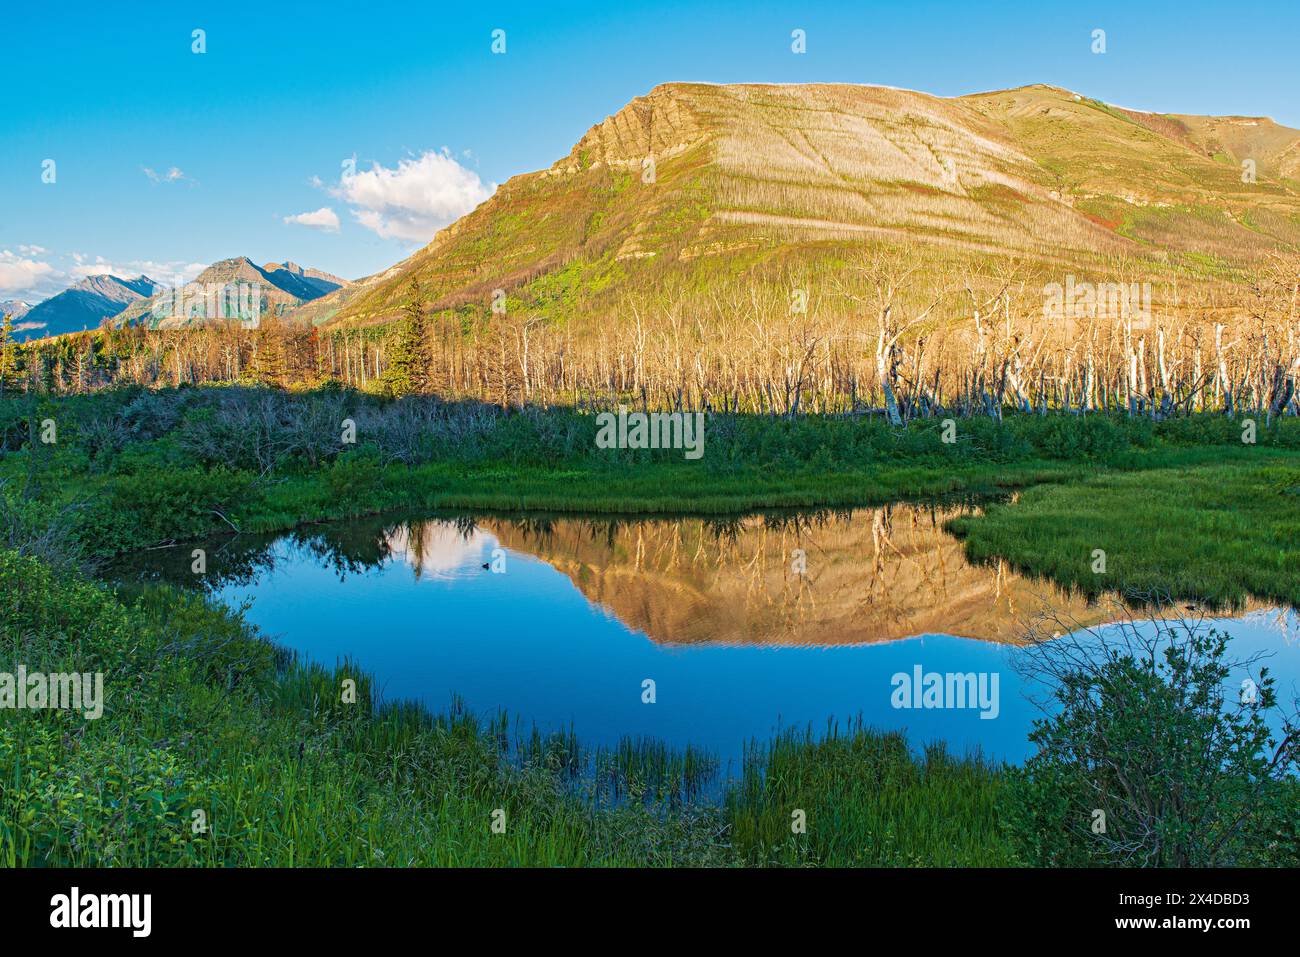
{"x": 110, "y": 285}
{"x": 15, "y": 309}
{"x": 283, "y": 287}
{"x": 86, "y": 304}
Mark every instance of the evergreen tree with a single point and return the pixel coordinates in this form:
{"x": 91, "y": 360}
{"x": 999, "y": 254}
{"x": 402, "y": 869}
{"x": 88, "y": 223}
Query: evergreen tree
{"x": 8, "y": 352}
{"x": 270, "y": 365}
{"x": 408, "y": 366}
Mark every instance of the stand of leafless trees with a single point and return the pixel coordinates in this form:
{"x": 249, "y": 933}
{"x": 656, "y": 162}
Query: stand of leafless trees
{"x": 872, "y": 336}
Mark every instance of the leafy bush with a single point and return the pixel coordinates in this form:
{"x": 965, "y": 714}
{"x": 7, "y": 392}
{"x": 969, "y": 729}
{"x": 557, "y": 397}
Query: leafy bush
{"x": 1151, "y": 761}
{"x": 352, "y": 477}
{"x": 1088, "y": 437}
{"x": 43, "y": 530}
{"x": 161, "y": 506}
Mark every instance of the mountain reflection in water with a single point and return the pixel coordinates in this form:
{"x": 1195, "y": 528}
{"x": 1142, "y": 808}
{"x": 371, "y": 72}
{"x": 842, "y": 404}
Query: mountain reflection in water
{"x": 714, "y": 611}
{"x": 824, "y": 578}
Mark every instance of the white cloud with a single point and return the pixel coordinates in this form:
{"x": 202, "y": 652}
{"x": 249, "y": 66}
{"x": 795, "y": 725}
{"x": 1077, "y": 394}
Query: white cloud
{"x": 323, "y": 218}
{"x": 171, "y": 273}
{"x": 19, "y": 273}
{"x": 99, "y": 267}
{"x": 415, "y": 200}
{"x": 172, "y": 175}
{"x": 33, "y": 280}
{"x": 174, "y": 271}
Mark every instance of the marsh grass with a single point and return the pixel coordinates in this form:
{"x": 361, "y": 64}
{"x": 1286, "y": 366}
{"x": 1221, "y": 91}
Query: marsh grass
{"x": 1131, "y": 486}
{"x": 868, "y": 800}
{"x": 203, "y": 714}
{"x": 1218, "y": 533}
{"x": 650, "y": 770}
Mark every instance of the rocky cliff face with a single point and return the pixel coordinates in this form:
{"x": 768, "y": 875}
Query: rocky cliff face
{"x": 662, "y": 124}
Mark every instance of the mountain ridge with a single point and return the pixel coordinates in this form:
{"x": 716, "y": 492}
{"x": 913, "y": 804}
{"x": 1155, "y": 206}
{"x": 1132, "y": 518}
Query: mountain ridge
{"x": 84, "y": 305}
{"x": 282, "y": 287}
{"x": 689, "y": 174}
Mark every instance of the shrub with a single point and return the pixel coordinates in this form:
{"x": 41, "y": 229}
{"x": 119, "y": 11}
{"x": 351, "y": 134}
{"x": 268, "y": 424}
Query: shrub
{"x": 161, "y": 506}
{"x": 1090, "y": 437}
{"x": 1149, "y": 762}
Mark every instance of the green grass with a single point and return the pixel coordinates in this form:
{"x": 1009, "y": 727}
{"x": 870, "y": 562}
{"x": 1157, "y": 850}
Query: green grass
{"x": 1218, "y": 533}
{"x": 865, "y": 800}
{"x": 1179, "y": 506}
{"x": 656, "y": 488}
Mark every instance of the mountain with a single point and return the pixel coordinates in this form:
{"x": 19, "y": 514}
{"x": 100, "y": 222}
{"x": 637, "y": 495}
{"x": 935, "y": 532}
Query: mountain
{"x": 282, "y": 287}
{"x": 1275, "y": 148}
{"x": 84, "y": 305}
{"x": 317, "y": 279}
{"x": 14, "y": 308}
{"x": 322, "y": 310}
{"x": 693, "y": 182}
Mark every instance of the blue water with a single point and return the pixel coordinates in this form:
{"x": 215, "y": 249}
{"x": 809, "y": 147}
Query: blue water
{"x": 528, "y": 641}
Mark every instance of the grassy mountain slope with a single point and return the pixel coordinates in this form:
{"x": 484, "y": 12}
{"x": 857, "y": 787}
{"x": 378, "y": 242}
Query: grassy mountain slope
{"x": 695, "y": 181}
{"x": 1165, "y": 183}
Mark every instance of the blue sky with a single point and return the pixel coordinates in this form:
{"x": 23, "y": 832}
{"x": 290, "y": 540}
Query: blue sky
{"x": 256, "y": 128}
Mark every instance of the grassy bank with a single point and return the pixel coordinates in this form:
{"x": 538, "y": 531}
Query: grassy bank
{"x": 1215, "y": 532}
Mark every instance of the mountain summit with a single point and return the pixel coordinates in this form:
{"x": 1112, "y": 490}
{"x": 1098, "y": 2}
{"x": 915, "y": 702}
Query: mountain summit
{"x": 282, "y": 287}
{"x": 84, "y": 305}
